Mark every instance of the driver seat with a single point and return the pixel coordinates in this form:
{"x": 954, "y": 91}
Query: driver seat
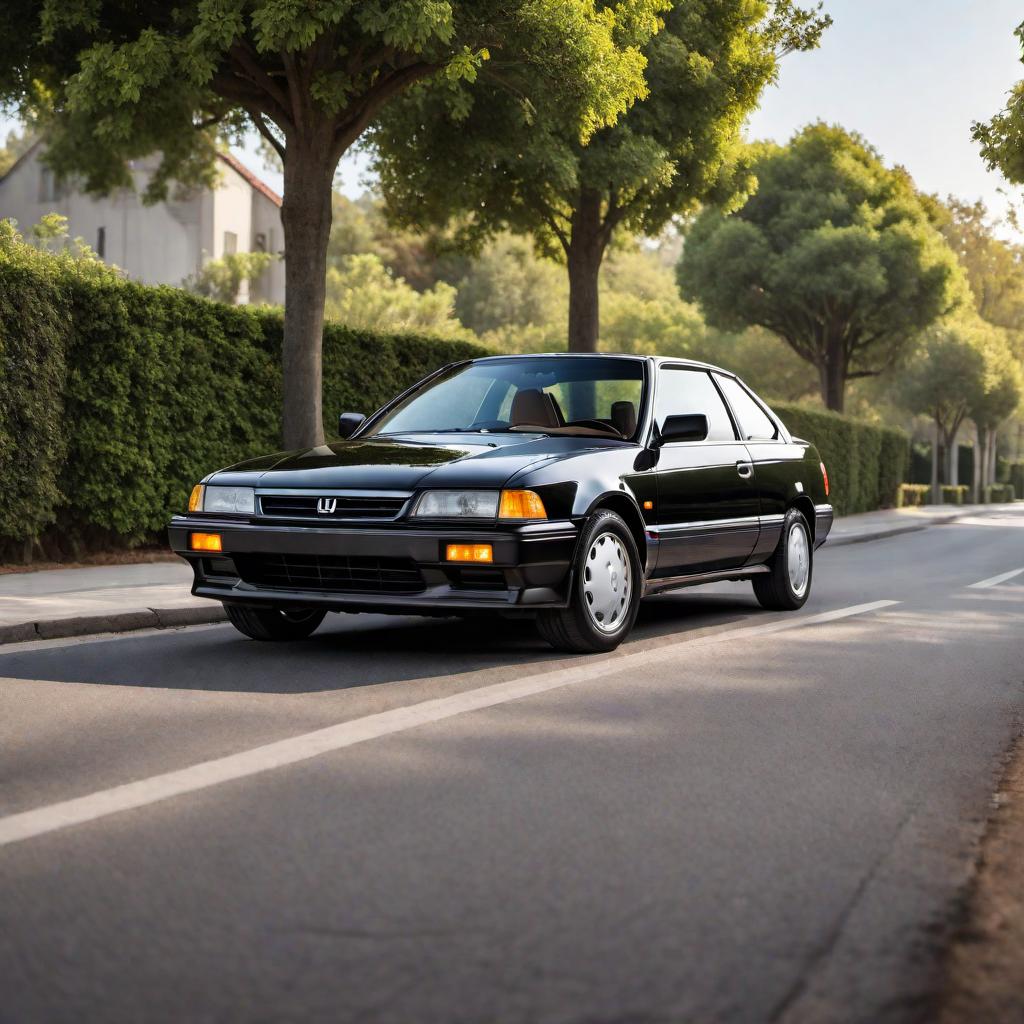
{"x": 533, "y": 407}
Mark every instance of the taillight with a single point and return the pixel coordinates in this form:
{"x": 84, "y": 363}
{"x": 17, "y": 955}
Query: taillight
{"x": 824, "y": 476}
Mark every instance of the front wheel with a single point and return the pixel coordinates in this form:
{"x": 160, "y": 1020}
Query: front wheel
{"x": 788, "y": 584}
{"x": 274, "y": 623}
{"x": 607, "y": 582}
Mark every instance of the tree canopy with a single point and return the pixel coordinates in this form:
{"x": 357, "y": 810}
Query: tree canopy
{"x": 508, "y": 159}
{"x": 113, "y": 80}
{"x": 834, "y": 252}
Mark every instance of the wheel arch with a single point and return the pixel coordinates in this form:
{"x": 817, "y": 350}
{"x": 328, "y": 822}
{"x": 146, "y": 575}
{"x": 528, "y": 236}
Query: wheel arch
{"x": 805, "y": 507}
{"x": 628, "y": 510}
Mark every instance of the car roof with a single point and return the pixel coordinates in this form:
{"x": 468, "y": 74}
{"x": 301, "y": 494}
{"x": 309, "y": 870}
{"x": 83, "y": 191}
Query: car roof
{"x": 656, "y": 360}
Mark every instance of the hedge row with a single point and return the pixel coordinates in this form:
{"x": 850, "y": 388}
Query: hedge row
{"x": 115, "y": 398}
{"x": 866, "y": 464}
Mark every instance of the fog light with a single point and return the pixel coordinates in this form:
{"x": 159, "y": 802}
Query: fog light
{"x": 205, "y": 542}
{"x": 470, "y": 553}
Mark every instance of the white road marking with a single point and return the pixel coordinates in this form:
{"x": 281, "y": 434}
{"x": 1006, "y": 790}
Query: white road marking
{"x": 994, "y": 581}
{"x": 143, "y": 792}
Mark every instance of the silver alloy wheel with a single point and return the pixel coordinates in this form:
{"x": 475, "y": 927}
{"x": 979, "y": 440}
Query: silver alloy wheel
{"x": 798, "y": 559}
{"x": 607, "y": 582}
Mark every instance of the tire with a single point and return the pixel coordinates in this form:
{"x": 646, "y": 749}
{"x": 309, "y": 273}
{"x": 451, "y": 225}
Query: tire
{"x": 607, "y": 583}
{"x": 788, "y": 585}
{"x": 274, "y": 623}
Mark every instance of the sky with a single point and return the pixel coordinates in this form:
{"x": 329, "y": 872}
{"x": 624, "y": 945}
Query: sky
{"x": 909, "y": 75}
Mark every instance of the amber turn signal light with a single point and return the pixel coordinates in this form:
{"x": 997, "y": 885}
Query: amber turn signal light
{"x": 468, "y": 553}
{"x": 521, "y": 505}
{"x": 824, "y": 476}
{"x": 195, "y": 499}
{"x": 205, "y": 542}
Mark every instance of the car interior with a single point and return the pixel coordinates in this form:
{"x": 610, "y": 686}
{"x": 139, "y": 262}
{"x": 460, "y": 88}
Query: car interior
{"x": 533, "y": 408}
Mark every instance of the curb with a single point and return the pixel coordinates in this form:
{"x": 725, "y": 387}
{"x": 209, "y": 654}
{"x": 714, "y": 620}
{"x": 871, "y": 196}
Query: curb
{"x": 893, "y": 531}
{"x": 115, "y": 622}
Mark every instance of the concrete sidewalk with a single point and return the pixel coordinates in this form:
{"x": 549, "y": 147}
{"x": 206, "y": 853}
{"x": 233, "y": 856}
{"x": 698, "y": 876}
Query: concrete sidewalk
{"x": 72, "y": 602}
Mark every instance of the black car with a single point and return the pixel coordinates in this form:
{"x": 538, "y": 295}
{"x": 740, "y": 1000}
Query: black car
{"x": 561, "y": 487}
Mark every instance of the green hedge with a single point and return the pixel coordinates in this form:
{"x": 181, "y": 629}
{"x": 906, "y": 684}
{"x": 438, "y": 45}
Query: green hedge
{"x": 1001, "y": 492}
{"x": 115, "y": 398}
{"x": 911, "y": 495}
{"x": 865, "y": 463}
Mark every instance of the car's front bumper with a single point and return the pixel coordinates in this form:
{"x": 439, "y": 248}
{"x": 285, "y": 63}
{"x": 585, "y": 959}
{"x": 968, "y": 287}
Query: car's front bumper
{"x": 530, "y": 567}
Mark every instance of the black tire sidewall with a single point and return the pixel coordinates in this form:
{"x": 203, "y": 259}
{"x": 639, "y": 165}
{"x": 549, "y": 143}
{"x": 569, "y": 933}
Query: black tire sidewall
{"x": 606, "y": 521}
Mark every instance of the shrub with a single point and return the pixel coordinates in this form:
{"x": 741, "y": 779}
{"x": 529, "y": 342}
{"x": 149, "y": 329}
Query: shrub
{"x": 115, "y": 398}
{"x": 911, "y": 495}
{"x": 865, "y": 463}
{"x": 1000, "y": 492}
{"x": 1016, "y": 477}
{"x": 954, "y": 495}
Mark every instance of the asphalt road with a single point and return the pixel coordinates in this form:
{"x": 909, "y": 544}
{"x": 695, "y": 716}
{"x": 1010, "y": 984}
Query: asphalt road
{"x": 739, "y": 816}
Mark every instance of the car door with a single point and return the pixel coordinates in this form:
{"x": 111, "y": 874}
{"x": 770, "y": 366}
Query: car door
{"x": 707, "y": 509}
{"x": 776, "y": 460}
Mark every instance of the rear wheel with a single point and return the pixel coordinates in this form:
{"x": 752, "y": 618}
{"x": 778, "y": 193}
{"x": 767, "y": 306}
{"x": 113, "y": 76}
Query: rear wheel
{"x": 606, "y": 588}
{"x": 788, "y": 585}
{"x": 274, "y": 623}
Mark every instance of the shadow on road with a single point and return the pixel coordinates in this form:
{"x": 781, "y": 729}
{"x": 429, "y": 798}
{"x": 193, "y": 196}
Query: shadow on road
{"x": 348, "y": 651}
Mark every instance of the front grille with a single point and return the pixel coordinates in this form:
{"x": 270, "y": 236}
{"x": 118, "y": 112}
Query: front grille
{"x": 301, "y": 506}
{"x": 331, "y": 573}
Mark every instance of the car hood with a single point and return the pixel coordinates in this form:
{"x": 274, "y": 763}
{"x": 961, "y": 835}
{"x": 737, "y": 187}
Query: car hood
{"x": 405, "y": 462}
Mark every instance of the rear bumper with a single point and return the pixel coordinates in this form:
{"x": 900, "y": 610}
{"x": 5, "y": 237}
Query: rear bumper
{"x": 823, "y": 516}
{"x": 530, "y": 569}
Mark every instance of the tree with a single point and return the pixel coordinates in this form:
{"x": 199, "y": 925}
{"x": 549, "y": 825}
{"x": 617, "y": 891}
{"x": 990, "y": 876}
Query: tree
{"x": 362, "y": 293}
{"x": 16, "y": 145}
{"x": 521, "y": 164}
{"x": 1002, "y": 137}
{"x": 992, "y": 398}
{"x": 122, "y": 79}
{"x": 994, "y": 267}
{"x": 834, "y": 253}
{"x": 947, "y": 371}
{"x": 222, "y": 279}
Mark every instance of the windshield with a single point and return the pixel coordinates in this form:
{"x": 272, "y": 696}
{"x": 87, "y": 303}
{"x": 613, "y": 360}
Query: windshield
{"x": 574, "y": 395}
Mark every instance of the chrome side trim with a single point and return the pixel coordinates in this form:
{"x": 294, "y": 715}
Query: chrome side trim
{"x": 705, "y": 525}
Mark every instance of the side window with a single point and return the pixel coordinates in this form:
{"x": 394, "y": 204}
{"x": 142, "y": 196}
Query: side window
{"x": 755, "y": 425}
{"x": 683, "y": 391}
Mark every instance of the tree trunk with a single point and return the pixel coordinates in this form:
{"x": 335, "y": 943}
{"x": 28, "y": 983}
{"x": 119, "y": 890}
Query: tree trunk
{"x": 833, "y": 375}
{"x": 976, "y": 465}
{"x": 585, "y": 252}
{"x": 952, "y": 461}
{"x": 936, "y": 493}
{"x": 992, "y": 455}
{"x": 306, "y": 217}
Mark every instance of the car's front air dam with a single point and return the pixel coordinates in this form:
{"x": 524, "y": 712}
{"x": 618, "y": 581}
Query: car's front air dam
{"x": 529, "y": 568}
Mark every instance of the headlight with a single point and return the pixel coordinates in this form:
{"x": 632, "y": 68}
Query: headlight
{"x": 458, "y": 505}
{"x": 229, "y": 499}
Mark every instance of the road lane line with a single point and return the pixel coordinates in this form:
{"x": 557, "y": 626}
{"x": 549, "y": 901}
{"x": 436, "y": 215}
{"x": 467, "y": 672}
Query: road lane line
{"x": 143, "y": 792}
{"x": 994, "y": 581}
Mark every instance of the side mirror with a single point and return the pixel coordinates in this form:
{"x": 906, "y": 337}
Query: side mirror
{"x": 350, "y": 422}
{"x": 692, "y": 427}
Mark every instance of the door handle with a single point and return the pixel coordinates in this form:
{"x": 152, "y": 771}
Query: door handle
{"x": 745, "y": 470}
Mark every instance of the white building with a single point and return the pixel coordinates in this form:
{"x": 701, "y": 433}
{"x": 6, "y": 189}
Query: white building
{"x": 165, "y": 243}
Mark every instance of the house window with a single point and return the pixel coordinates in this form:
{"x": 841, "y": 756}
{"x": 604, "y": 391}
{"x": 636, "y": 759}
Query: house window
{"x": 259, "y": 242}
{"x": 230, "y": 243}
{"x": 48, "y": 192}
{"x": 101, "y": 242}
